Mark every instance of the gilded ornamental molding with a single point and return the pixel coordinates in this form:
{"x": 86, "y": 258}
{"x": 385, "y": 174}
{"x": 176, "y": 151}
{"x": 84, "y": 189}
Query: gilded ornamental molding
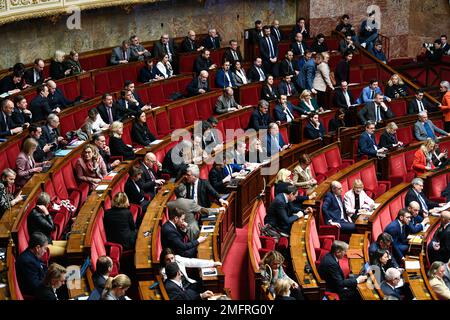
{"x": 16, "y": 10}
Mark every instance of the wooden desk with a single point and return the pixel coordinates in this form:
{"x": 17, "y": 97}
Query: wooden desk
{"x": 308, "y": 278}
{"x": 418, "y": 281}
{"x": 145, "y": 293}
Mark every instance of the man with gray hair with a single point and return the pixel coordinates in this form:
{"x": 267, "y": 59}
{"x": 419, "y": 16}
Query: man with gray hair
{"x": 199, "y": 85}
{"x": 444, "y": 87}
{"x": 392, "y": 278}
{"x": 176, "y": 159}
{"x": 334, "y": 212}
{"x": 56, "y": 98}
{"x": 213, "y": 40}
{"x": 200, "y": 190}
{"x": 51, "y": 134}
{"x": 415, "y": 193}
{"x": 439, "y": 247}
{"x": 424, "y": 128}
{"x": 190, "y": 207}
{"x": 330, "y": 271}
{"x": 260, "y": 118}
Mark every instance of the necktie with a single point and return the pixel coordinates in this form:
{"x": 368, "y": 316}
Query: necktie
{"x": 403, "y": 231}
{"x": 300, "y": 48}
{"x": 372, "y": 94}
{"x": 339, "y": 200}
{"x": 276, "y": 145}
{"x": 277, "y": 32}
{"x": 430, "y": 132}
{"x": 192, "y": 45}
{"x": 288, "y": 89}
{"x": 289, "y": 114}
{"x": 125, "y": 55}
{"x": 6, "y": 122}
{"x": 421, "y": 108}
{"x": 228, "y": 79}
{"x": 152, "y": 176}
{"x": 235, "y": 57}
{"x": 168, "y": 52}
{"x": 291, "y": 69}
{"x": 272, "y": 52}
{"x": 347, "y": 98}
{"x": 377, "y": 113}
{"x": 373, "y": 140}
{"x": 262, "y": 77}
{"x": 110, "y": 116}
{"x": 422, "y": 202}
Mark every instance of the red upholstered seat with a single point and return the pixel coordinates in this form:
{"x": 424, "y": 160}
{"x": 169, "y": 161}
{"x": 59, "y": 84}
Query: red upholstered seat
{"x": 162, "y": 124}
{"x": 169, "y": 87}
{"x": 319, "y": 245}
{"x": 22, "y": 234}
{"x": 285, "y": 134}
{"x": 101, "y": 81}
{"x": 369, "y": 74}
{"x": 126, "y": 136}
{"x": 115, "y": 79}
{"x": 249, "y": 94}
{"x": 3, "y": 161}
{"x": 15, "y": 283}
{"x": 156, "y": 95}
{"x": 204, "y": 108}
{"x": 129, "y": 72}
{"x": 190, "y": 113}
{"x": 70, "y": 89}
{"x": 355, "y": 75}
{"x": 186, "y": 61}
{"x": 87, "y": 90}
{"x": 11, "y": 154}
{"x": 183, "y": 83}
{"x": 438, "y": 184}
{"x": 320, "y": 165}
{"x": 176, "y": 117}
{"x": 398, "y": 107}
{"x": 371, "y": 183}
{"x": 334, "y": 160}
{"x": 80, "y": 117}
{"x": 67, "y": 123}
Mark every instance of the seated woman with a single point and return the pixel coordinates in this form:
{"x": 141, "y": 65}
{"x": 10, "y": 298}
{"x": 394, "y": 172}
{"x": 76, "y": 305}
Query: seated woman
{"x": 25, "y": 164}
{"x": 239, "y": 75}
{"x": 40, "y": 220}
{"x": 119, "y": 224}
{"x": 58, "y": 69}
{"x": 95, "y": 122}
{"x": 7, "y": 190}
{"x": 134, "y": 188}
{"x": 164, "y": 67}
{"x": 116, "y": 144}
{"x": 422, "y": 158}
{"x": 269, "y": 92}
{"x": 140, "y": 134}
{"x": 90, "y": 167}
{"x": 308, "y": 104}
{"x": 314, "y": 129}
{"x": 271, "y": 268}
{"x": 302, "y": 175}
{"x": 149, "y": 72}
{"x": 356, "y": 200}
{"x": 388, "y": 139}
{"x": 115, "y": 288}
{"x": 396, "y": 88}
{"x": 337, "y": 122}
{"x": 382, "y": 259}
{"x": 54, "y": 279}
{"x": 283, "y": 180}
{"x": 436, "y": 276}
{"x": 73, "y": 63}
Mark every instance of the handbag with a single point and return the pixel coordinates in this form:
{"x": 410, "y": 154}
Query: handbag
{"x": 268, "y": 230}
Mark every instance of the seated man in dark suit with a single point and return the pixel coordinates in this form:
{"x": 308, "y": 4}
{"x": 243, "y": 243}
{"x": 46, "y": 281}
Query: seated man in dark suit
{"x": 204, "y": 62}
{"x": 417, "y": 222}
{"x": 30, "y": 269}
{"x": 212, "y": 41}
{"x": 173, "y": 235}
{"x": 288, "y": 66}
{"x": 56, "y": 98}
{"x": 281, "y": 215}
{"x": 43, "y": 150}
{"x": 415, "y": 193}
{"x": 330, "y": 271}
{"x": 439, "y": 247}
{"x": 367, "y": 144}
{"x": 151, "y": 172}
{"x": 134, "y": 189}
{"x": 256, "y": 72}
{"x": 200, "y": 190}
{"x": 21, "y": 115}
{"x": 129, "y": 85}
{"x": 343, "y": 98}
{"x": 122, "y": 54}
{"x": 274, "y": 141}
{"x": 226, "y": 102}
{"x": 100, "y": 142}
{"x": 298, "y": 47}
{"x": 286, "y": 87}
{"x": 189, "y": 44}
{"x": 103, "y": 268}
{"x": 7, "y": 126}
{"x": 175, "y": 289}
{"x": 165, "y": 46}
{"x": 40, "y": 106}
{"x": 138, "y": 52}
{"x": 199, "y": 85}
{"x": 376, "y": 110}
{"x": 220, "y": 175}
{"x": 224, "y": 78}
{"x": 128, "y": 105}
{"x": 399, "y": 229}
{"x": 420, "y": 104}
{"x": 384, "y": 241}
{"x": 35, "y": 76}
{"x": 233, "y": 53}
{"x": 108, "y": 110}
{"x": 392, "y": 279}
{"x": 284, "y": 110}
{"x": 334, "y": 212}
{"x": 51, "y": 134}
{"x": 260, "y": 118}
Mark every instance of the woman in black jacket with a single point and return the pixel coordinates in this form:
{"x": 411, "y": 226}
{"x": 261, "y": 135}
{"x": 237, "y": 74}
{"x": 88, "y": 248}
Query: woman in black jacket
{"x": 40, "y": 220}
{"x": 119, "y": 224}
{"x": 140, "y": 134}
{"x": 269, "y": 92}
{"x": 58, "y": 69}
{"x": 116, "y": 144}
{"x": 388, "y": 138}
{"x": 338, "y": 121}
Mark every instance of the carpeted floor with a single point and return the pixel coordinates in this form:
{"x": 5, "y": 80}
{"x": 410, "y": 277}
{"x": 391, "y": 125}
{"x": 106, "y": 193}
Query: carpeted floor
{"x": 235, "y": 266}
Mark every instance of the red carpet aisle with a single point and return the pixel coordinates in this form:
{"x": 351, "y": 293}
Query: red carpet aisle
{"x": 235, "y": 266}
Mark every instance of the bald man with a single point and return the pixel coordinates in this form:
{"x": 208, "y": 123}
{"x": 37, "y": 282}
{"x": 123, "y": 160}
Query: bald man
{"x": 189, "y": 44}
{"x": 151, "y": 171}
{"x": 56, "y": 98}
{"x": 199, "y": 85}
{"x": 333, "y": 209}
{"x": 417, "y": 222}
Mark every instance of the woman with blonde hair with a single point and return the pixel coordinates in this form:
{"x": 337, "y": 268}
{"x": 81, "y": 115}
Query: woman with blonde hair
{"x": 396, "y": 88}
{"x": 57, "y": 68}
{"x": 388, "y": 139}
{"x": 308, "y": 104}
{"x": 116, "y": 144}
{"x": 7, "y": 191}
{"x": 436, "y": 275}
{"x": 115, "y": 288}
{"x": 423, "y": 157}
{"x": 54, "y": 279}
{"x": 322, "y": 79}
{"x": 90, "y": 167}
{"x": 303, "y": 176}
{"x": 25, "y": 164}
{"x": 356, "y": 201}
{"x": 282, "y": 290}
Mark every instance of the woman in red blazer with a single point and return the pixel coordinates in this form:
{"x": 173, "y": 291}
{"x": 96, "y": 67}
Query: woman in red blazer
{"x": 422, "y": 158}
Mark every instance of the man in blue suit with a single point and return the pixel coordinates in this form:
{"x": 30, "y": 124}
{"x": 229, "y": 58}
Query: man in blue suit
{"x": 30, "y": 269}
{"x": 417, "y": 222}
{"x": 399, "y": 229}
{"x": 274, "y": 140}
{"x": 223, "y": 76}
{"x": 333, "y": 209}
{"x": 384, "y": 242}
{"x": 307, "y": 73}
{"x": 369, "y": 92}
{"x": 388, "y": 286}
{"x": 367, "y": 144}
{"x": 268, "y": 47}
{"x": 284, "y": 110}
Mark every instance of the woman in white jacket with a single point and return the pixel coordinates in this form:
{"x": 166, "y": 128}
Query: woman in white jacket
{"x": 165, "y": 67}
{"x": 356, "y": 200}
{"x": 322, "y": 80}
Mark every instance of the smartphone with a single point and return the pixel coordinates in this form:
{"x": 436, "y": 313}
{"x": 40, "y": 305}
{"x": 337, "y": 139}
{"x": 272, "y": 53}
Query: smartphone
{"x": 153, "y": 285}
{"x": 24, "y": 197}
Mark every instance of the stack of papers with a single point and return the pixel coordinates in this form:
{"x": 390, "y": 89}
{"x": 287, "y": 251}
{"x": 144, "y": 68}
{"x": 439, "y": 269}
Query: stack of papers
{"x": 412, "y": 265}
{"x": 207, "y": 228}
{"x": 101, "y": 187}
{"x": 156, "y": 142}
{"x": 209, "y": 272}
{"x": 110, "y": 176}
{"x": 62, "y": 153}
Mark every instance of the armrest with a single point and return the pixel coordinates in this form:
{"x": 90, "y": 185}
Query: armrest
{"x": 320, "y": 177}
{"x": 347, "y": 162}
{"x": 114, "y": 247}
{"x": 385, "y": 182}
{"x": 267, "y": 242}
